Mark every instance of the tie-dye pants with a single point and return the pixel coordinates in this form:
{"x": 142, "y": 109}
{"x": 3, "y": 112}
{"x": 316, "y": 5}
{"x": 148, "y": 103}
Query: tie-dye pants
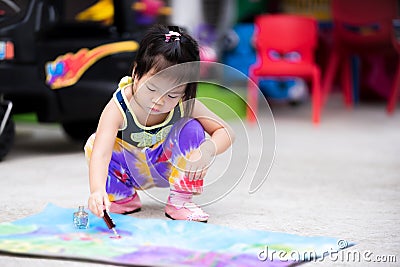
{"x": 162, "y": 165}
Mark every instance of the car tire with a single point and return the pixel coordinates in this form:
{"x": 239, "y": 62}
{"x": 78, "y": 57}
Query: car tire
{"x": 8, "y": 134}
{"x": 79, "y": 131}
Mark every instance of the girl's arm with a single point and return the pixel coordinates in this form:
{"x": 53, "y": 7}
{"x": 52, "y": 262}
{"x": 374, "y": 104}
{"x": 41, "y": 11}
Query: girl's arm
{"x": 109, "y": 123}
{"x": 221, "y": 138}
{"x": 221, "y": 134}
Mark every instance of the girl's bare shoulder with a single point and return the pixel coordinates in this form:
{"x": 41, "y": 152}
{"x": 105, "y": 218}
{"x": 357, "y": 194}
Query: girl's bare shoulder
{"x": 127, "y": 91}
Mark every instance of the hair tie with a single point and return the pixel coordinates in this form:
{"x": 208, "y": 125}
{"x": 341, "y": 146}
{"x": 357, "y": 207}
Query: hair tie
{"x": 173, "y": 34}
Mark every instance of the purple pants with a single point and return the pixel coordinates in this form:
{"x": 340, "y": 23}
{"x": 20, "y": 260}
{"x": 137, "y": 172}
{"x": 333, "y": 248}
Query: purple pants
{"x": 162, "y": 165}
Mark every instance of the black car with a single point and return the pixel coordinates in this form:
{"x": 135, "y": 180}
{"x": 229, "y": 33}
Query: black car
{"x": 62, "y": 69}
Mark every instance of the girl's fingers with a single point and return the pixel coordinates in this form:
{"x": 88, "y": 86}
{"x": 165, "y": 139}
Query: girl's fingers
{"x": 98, "y": 209}
{"x": 201, "y": 173}
{"x": 93, "y": 207}
{"x": 187, "y": 174}
{"x": 96, "y": 206}
{"x": 190, "y": 174}
{"x": 107, "y": 203}
{"x": 196, "y": 175}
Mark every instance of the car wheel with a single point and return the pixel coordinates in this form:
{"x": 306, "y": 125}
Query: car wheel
{"x": 79, "y": 131}
{"x": 8, "y": 133}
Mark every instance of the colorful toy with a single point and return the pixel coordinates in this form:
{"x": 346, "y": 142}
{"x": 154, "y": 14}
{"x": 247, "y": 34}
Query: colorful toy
{"x": 66, "y": 70}
{"x": 102, "y": 11}
{"x": 151, "y": 8}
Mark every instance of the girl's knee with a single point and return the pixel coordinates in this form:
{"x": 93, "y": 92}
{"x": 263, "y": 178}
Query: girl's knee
{"x": 193, "y": 129}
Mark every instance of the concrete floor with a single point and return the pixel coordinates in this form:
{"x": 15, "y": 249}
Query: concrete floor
{"x": 340, "y": 179}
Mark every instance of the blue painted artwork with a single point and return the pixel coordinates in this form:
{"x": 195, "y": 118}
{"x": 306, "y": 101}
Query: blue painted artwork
{"x": 156, "y": 242}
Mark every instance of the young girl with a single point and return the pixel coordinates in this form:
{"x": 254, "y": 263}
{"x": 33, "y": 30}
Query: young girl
{"x": 152, "y": 132}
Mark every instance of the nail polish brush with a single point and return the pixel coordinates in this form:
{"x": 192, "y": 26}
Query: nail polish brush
{"x": 110, "y": 223}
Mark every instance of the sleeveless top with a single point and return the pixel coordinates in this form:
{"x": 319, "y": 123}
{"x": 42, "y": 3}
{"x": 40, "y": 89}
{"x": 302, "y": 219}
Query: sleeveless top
{"x": 137, "y": 134}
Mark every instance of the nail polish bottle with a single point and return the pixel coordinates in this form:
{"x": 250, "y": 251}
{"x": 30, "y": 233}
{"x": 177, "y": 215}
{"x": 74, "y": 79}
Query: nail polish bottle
{"x": 81, "y": 218}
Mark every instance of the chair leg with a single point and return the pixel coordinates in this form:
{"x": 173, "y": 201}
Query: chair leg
{"x": 395, "y": 93}
{"x": 347, "y": 82}
{"x": 252, "y": 99}
{"x": 316, "y": 97}
{"x": 355, "y": 72}
{"x": 329, "y": 76}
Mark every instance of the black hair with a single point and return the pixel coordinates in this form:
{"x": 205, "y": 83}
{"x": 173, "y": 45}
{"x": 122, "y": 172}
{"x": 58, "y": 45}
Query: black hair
{"x": 157, "y": 53}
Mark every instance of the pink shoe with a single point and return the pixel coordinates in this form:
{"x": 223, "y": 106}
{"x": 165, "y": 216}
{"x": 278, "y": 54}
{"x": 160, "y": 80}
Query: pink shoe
{"x": 181, "y": 207}
{"x": 126, "y": 205}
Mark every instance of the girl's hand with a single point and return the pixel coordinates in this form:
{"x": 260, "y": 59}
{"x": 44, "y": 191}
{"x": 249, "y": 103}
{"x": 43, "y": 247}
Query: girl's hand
{"x": 200, "y": 160}
{"x": 98, "y": 201}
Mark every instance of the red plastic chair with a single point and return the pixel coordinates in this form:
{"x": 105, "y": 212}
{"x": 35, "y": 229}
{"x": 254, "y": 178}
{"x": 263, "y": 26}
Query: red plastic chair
{"x": 360, "y": 26}
{"x": 285, "y": 46}
{"x": 394, "y": 95}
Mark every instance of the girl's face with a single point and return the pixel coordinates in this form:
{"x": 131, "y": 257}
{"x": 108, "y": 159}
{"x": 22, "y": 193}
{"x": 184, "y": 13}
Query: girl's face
{"x": 157, "y": 95}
